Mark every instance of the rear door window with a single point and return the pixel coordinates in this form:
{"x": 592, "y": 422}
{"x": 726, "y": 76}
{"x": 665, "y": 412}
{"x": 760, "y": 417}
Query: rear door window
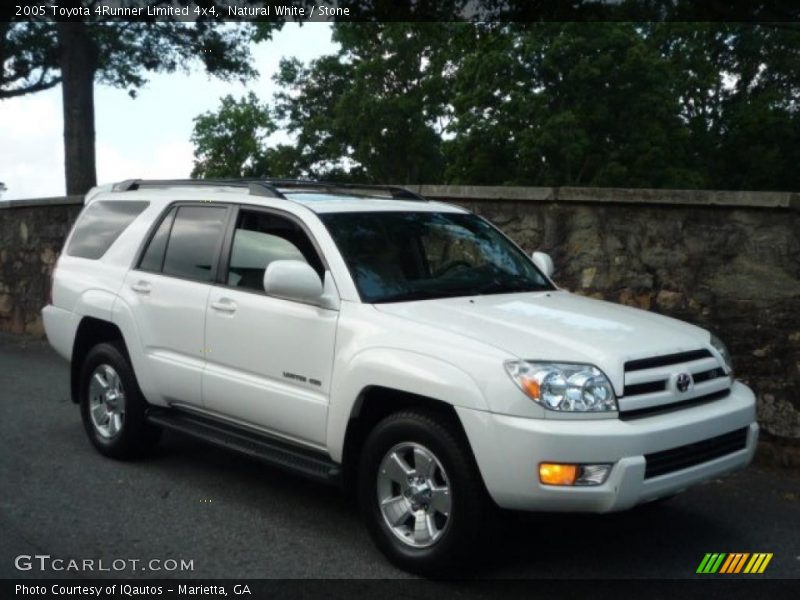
{"x": 99, "y": 226}
{"x": 194, "y": 242}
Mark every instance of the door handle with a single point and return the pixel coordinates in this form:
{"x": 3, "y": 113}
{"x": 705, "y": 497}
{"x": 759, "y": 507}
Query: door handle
{"x": 141, "y": 287}
{"x": 224, "y": 305}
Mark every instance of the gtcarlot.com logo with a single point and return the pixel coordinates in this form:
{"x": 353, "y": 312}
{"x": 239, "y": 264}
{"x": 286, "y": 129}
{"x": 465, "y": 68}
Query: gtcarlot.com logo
{"x": 733, "y": 563}
{"x": 45, "y": 562}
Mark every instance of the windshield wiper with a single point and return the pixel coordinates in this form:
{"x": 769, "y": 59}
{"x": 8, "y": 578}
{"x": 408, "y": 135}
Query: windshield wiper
{"x": 410, "y": 295}
{"x": 497, "y": 286}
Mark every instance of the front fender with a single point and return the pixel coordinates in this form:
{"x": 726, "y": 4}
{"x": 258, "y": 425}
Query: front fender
{"x": 400, "y": 370}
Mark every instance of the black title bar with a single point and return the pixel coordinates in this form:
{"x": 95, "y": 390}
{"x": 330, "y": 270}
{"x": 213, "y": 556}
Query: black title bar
{"x": 787, "y": 11}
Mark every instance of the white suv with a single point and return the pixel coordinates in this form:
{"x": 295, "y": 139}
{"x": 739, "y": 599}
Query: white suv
{"x": 403, "y": 347}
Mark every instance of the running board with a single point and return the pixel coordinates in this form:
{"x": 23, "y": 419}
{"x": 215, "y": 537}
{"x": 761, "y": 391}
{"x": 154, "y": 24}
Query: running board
{"x": 262, "y": 447}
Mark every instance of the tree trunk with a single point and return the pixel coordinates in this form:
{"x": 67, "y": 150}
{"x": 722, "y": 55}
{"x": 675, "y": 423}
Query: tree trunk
{"x": 78, "y": 57}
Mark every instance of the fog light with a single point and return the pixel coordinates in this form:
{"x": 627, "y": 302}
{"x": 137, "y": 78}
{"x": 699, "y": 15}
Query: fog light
{"x": 592, "y": 474}
{"x": 566, "y": 474}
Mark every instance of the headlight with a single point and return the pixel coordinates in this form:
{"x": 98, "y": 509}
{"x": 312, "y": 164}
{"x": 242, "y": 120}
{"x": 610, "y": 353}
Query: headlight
{"x": 720, "y": 347}
{"x": 563, "y": 386}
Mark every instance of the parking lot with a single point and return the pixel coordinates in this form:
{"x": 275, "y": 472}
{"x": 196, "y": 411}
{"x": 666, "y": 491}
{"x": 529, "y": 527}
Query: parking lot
{"x": 235, "y": 518}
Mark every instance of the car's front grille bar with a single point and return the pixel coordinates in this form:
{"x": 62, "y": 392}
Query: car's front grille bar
{"x": 660, "y": 409}
{"x": 708, "y": 375}
{"x": 665, "y": 360}
{"x": 683, "y": 457}
{"x": 648, "y": 387}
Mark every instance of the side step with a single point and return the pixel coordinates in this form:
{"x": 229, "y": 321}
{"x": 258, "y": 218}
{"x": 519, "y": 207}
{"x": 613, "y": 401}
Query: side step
{"x": 270, "y": 450}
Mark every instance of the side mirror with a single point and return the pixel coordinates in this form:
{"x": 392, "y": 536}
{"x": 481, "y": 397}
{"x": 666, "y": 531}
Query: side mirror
{"x": 544, "y": 262}
{"x": 292, "y": 280}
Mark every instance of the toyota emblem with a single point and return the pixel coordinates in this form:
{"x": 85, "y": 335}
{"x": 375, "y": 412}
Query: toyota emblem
{"x": 683, "y": 382}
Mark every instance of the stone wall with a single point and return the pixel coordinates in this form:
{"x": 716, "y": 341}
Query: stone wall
{"x": 31, "y": 236}
{"x": 728, "y": 261}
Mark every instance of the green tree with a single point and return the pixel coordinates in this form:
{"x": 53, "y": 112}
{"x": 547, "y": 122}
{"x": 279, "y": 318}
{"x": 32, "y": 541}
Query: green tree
{"x": 376, "y": 110}
{"x": 567, "y": 104}
{"x": 661, "y": 104}
{"x": 38, "y": 55}
{"x": 547, "y": 104}
{"x": 739, "y": 87}
{"x": 231, "y": 142}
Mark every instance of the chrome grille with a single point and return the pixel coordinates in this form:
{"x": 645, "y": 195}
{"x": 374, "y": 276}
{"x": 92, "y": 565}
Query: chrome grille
{"x": 651, "y": 385}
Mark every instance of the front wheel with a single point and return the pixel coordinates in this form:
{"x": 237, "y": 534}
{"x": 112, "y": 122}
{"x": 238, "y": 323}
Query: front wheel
{"x": 112, "y": 407}
{"x": 420, "y": 492}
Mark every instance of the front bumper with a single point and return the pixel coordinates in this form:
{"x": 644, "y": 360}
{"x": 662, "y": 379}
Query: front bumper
{"x": 509, "y": 449}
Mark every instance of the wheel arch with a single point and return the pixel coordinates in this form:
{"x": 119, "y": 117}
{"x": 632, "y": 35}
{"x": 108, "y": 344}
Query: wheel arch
{"x": 376, "y": 402}
{"x": 91, "y": 331}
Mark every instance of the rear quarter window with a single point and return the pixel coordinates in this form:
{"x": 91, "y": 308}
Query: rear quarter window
{"x": 100, "y": 224}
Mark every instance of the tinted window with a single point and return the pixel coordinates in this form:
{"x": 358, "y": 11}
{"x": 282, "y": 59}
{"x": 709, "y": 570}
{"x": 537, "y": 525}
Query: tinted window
{"x": 153, "y": 259}
{"x": 261, "y": 238}
{"x": 100, "y": 224}
{"x": 397, "y": 256}
{"x": 194, "y": 242}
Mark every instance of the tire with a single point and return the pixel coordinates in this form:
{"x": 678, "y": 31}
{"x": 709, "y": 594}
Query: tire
{"x": 112, "y": 406}
{"x": 449, "y": 529}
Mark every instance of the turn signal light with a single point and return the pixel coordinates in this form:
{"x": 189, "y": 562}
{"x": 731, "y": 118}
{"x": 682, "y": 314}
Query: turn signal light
{"x": 557, "y": 474}
{"x": 531, "y": 387}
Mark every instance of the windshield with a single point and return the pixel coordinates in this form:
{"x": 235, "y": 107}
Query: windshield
{"x": 397, "y": 256}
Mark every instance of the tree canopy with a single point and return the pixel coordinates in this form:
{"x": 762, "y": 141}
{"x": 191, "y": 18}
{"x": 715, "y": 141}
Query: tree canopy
{"x": 664, "y": 104}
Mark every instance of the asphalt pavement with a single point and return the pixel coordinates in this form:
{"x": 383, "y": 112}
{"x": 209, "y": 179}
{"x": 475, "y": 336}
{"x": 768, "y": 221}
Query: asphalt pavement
{"x": 235, "y": 518}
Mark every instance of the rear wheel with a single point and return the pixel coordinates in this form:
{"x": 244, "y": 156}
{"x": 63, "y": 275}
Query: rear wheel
{"x": 420, "y": 492}
{"x": 112, "y": 407}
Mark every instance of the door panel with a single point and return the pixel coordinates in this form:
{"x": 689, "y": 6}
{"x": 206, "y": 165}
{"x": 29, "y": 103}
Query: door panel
{"x": 170, "y": 316}
{"x": 170, "y": 308}
{"x": 269, "y": 362}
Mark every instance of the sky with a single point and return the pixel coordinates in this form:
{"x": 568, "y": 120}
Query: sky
{"x": 145, "y": 137}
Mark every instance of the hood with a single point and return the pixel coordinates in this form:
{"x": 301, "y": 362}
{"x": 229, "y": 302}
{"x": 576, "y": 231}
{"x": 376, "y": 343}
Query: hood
{"x": 557, "y": 326}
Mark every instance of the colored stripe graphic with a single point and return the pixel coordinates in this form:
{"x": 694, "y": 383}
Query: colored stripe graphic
{"x": 758, "y": 563}
{"x": 729, "y": 562}
{"x": 702, "y": 567}
{"x": 734, "y": 562}
{"x": 741, "y": 562}
{"x": 711, "y": 562}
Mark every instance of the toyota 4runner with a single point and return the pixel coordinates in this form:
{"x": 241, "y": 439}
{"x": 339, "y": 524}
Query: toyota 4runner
{"x": 405, "y": 348}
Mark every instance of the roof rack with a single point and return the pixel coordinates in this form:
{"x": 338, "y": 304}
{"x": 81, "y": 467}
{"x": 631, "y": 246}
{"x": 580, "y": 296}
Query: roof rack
{"x": 270, "y": 187}
{"x": 396, "y": 192}
{"x": 255, "y": 188}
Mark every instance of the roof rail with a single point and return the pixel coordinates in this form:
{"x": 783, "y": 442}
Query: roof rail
{"x": 396, "y": 192}
{"x": 269, "y": 187}
{"x": 254, "y": 187}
